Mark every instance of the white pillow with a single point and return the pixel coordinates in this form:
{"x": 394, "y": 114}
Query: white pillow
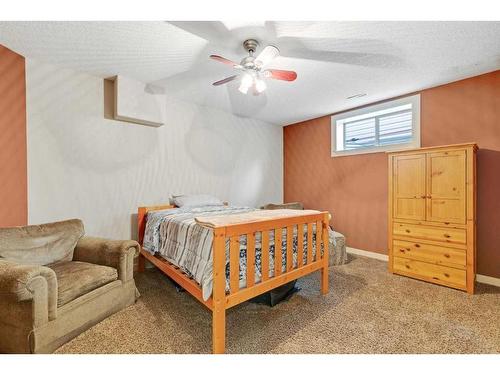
{"x": 196, "y": 200}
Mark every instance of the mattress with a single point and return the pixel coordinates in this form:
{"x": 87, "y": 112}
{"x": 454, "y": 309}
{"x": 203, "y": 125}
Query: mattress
{"x": 175, "y": 235}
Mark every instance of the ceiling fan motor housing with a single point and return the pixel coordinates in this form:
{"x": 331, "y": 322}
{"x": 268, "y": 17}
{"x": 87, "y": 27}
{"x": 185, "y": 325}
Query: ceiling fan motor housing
{"x": 250, "y": 45}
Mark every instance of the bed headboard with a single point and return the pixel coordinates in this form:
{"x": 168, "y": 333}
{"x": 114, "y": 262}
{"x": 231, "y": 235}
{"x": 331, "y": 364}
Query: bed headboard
{"x": 142, "y": 214}
{"x": 141, "y": 217}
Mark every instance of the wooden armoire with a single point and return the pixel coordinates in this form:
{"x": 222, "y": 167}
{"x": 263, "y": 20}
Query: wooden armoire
{"x": 432, "y": 214}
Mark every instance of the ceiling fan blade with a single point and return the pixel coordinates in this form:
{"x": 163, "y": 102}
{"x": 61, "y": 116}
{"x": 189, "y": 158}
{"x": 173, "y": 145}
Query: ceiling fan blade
{"x": 374, "y": 53}
{"x": 214, "y": 32}
{"x": 225, "y": 80}
{"x": 224, "y": 60}
{"x": 267, "y": 55}
{"x": 283, "y": 75}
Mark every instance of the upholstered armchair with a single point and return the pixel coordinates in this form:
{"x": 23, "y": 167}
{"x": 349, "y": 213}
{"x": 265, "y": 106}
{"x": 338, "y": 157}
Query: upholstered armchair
{"x": 55, "y": 283}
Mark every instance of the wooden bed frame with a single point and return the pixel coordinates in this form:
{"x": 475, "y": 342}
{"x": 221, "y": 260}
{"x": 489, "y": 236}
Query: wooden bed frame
{"x": 220, "y": 300}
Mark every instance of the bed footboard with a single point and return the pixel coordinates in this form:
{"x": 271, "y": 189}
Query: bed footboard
{"x": 313, "y": 262}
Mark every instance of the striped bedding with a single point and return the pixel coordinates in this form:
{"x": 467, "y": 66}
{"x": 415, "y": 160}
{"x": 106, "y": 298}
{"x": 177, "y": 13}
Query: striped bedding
{"x": 175, "y": 235}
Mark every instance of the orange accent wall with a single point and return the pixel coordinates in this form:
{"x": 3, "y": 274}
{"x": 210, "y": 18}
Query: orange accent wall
{"x": 354, "y": 188}
{"x": 13, "y": 169}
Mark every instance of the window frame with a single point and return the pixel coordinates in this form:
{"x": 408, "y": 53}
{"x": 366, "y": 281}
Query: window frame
{"x": 414, "y": 100}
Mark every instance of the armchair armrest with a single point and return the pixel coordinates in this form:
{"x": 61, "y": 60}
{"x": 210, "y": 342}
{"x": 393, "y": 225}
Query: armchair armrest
{"x": 112, "y": 253}
{"x": 19, "y": 283}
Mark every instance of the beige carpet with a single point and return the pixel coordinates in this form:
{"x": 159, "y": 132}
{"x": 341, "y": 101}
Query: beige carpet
{"x": 367, "y": 310}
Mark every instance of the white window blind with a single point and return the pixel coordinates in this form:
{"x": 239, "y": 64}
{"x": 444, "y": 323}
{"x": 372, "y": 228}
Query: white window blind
{"x": 377, "y": 128}
{"x": 361, "y": 133}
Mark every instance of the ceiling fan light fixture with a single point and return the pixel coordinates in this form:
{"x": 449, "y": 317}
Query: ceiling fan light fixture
{"x": 260, "y": 85}
{"x": 243, "y": 89}
{"x": 267, "y": 55}
{"x": 246, "y": 83}
{"x": 247, "y": 80}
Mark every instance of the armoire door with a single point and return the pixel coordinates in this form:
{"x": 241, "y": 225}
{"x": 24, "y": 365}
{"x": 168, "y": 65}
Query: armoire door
{"x": 409, "y": 187}
{"x": 446, "y": 195}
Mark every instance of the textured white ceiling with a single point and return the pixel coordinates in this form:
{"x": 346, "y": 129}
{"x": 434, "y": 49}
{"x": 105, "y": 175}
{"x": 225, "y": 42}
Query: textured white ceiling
{"x": 333, "y": 60}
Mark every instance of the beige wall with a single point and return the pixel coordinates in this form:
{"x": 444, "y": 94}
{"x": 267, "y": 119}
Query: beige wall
{"x": 13, "y": 181}
{"x": 354, "y": 188}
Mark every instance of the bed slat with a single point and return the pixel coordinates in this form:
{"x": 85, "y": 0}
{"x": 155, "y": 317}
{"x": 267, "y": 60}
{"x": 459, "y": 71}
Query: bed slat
{"x": 300, "y": 244}
{"x": 234, "y": 264}
{"x": 250, "y": 260}
{"x": 277, "y": 251}
{"x": 264, "y": 255}
{"x": 319, "y": 230}
{"x": 289, "y": 248}
{"x": 309, "y": 242}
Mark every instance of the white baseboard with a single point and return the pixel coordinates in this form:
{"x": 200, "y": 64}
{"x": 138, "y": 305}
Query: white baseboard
{"x": 483, "y": 279}
{"x": 368, "y": 254}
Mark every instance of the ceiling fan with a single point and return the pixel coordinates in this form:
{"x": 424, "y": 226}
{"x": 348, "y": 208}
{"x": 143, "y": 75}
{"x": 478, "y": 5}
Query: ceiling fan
{"x": 252, "y": 69}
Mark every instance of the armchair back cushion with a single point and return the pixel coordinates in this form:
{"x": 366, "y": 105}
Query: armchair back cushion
{"x": 41, "y": 244}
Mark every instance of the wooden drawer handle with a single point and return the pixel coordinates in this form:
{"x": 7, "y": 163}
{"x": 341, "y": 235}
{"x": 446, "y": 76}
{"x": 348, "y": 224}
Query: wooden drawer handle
{"x": 446, "y": 235}
{"x": 407, "y": 230}
{"x": 417, "y": 245}
{"x": 447, "y": 274}
{"x": 446, "y": 255}
{"x": 401, "y": 250}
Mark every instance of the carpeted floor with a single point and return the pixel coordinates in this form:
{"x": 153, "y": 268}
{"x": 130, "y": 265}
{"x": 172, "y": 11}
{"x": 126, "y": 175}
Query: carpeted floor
{"x": 367, "y": 310}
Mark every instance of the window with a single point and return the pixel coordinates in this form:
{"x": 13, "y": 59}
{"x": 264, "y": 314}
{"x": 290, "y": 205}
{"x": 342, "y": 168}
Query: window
{"x": 389, "y": 126}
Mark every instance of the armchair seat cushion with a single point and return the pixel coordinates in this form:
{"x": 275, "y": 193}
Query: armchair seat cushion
{"x": 74, "y": 279}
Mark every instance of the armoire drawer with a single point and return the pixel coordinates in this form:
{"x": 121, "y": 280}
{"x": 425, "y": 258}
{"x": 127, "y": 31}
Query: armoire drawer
{"x": 430, "y": 272}
{"x": 449, "y": 235}
{"x": 416, "y": 250}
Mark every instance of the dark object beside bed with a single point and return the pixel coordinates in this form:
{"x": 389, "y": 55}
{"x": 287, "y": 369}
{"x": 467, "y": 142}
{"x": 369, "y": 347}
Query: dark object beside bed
{"x": 275, "y": 296}
{"x": 271, "y": 298}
